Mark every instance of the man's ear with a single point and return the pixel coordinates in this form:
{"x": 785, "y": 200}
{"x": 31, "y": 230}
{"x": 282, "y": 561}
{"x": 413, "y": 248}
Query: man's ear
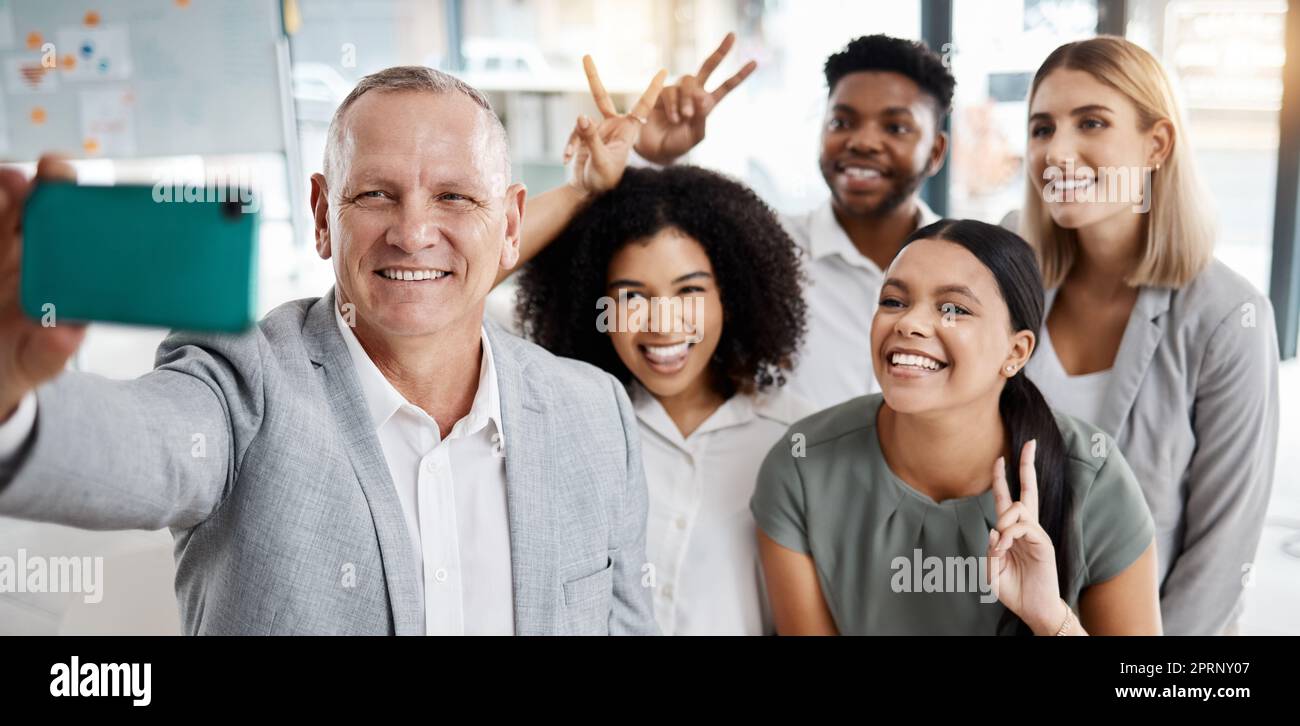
{"x": 1022, "y": 346}
{"x": 938, "y": 153}
{"x": 516, "y": 195}
{"x": 320, "y": 212}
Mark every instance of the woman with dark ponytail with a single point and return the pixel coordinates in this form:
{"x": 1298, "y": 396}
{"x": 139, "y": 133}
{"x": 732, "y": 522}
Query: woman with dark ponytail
{"x": 895, "y": 513}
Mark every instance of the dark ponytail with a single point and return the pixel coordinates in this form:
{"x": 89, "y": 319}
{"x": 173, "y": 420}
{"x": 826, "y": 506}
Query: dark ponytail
{"x": 1025, "y": 414}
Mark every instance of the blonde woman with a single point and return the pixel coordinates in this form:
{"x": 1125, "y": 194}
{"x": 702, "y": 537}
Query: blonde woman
{"x": 1147, "y": 336}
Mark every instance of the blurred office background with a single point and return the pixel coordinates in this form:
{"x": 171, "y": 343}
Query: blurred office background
{"x": 1227, "y": 58}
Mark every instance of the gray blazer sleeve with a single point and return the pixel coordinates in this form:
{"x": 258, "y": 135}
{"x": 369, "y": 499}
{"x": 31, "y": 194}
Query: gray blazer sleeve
{"x": 1231, "y": 472}
{"x": 159, "y": 451}
{"x": 633, "y": 613}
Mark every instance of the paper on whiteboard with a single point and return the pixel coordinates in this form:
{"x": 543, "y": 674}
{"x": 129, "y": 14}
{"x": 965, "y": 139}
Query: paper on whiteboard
{"x": 26, "y": 74}
{"x": 108, "y": 122}
{"x": 87, "y": 54}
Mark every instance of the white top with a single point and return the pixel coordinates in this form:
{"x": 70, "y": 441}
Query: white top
{"x": 701, "y": 538}
{"x": 453, "y": 495}
{"x": 15, "y": 431}
{"x": 1079, "y": 396}
{"x": 843, "y": 289}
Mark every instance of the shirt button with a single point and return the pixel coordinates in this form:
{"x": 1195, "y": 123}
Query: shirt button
{"x": 668, "y": 591}
{"x": 440, "y": 575}
{"x": 681, "y": 523}
{"x": 431, "y": 466}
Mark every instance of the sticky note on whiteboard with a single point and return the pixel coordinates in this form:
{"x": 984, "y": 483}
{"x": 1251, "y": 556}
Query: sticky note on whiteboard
{"x": 87, "y": 54}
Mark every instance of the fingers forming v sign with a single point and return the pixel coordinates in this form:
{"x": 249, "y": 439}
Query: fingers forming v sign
{"x": 1022, "y": 559}
{"x": 606, "y": 104}
{"x": 600, "y": 150}
{"x": 687, "y": 97}
{"x": 677, "y": 124}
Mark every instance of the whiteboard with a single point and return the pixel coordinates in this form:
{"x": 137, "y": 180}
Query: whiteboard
{"x": 140, "y": 78}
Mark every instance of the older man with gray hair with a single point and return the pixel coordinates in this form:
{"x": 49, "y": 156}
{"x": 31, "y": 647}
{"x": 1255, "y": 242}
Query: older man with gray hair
{"x": 378, "y": 460}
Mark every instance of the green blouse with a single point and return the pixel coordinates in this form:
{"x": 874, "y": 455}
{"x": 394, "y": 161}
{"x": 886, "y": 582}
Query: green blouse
{"x": 891, "y": 560}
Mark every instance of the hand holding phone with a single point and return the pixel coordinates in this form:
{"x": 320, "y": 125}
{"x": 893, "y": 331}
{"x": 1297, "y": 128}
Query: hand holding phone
{"x": 30, "y": 353}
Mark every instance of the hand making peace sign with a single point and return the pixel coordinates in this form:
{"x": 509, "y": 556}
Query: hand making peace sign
{"x": 599, "y": 150}
{"x": 1022, "y": 559}
{"x": 677, "y": 122}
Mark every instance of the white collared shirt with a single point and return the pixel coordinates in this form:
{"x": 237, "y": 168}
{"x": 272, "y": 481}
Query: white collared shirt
{"x": 700, "y": 535}
{"x": 843, "y": 289}
{"x": 453, "y": 495}
{"x": 15, "y": 431}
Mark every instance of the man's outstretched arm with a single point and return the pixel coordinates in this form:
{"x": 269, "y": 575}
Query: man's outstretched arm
{"x": 158, "y": 451}
{"x": 82, "y": 450}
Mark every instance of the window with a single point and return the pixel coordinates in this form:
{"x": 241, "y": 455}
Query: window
{"x": 1225, "y": 60}
{"x": 997, "y": 47}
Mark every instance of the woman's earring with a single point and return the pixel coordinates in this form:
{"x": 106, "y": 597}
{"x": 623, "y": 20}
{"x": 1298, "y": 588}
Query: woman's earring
{"x": 1010, "y": 369}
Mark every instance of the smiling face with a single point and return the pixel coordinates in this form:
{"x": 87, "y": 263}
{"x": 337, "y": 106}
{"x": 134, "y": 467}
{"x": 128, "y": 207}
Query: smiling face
{"x": 879, "y": 142}
{"x": 1087, "y": 151}
{"x": 942, "y": 336}
{"x": 668, "y": 353}
{"x": 418, "y": 215}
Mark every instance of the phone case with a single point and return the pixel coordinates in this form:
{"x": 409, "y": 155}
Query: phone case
{"x": 128, "y": 254}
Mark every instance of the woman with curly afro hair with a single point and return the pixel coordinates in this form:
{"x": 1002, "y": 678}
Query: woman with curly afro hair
{"x": 682, "y": 284}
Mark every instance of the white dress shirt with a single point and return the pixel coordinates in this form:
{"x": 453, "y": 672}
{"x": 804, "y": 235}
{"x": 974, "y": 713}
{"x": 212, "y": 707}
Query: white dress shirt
{"x": 453, "y": 494}
{"x": 700, "y": 535}
{"x": 14, "y": 432}
{"x": 843, "y": 289}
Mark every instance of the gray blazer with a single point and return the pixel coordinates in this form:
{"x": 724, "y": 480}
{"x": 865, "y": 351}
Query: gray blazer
{"x": 258, "y": 452}
{"x": 1193, "y": 403}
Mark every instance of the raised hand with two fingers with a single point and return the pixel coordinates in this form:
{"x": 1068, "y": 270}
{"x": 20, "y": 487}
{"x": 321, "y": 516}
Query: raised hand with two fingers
{"x": 677, "y": 123}
{"x": 1021, "y": 556}
{"x": 597, "y": 151}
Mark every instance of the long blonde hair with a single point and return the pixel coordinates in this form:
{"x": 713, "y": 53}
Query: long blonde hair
{"x": 1179, "y": 231}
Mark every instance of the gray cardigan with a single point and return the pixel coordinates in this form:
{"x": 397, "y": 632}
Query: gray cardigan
{"x": 1193, "y": 403}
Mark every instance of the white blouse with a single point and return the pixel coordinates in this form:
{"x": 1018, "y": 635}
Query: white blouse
{"x": 1079, "y": 396}
{"x": 701, "y": 538}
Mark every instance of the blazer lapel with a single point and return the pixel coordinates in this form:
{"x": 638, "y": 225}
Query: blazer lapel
{"x": 534, "y": 541}
{"x": 1146, "y": 327}
{"x": 338, "y": 378}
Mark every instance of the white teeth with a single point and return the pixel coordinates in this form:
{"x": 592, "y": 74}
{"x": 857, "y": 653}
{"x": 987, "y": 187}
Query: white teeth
{"x": 1071, "y": 184}
{"x": 915, "y": 361}
{"x": 413, "y": 275}
{"x": 860, "y": 173}
{"x": 666, "y": 352}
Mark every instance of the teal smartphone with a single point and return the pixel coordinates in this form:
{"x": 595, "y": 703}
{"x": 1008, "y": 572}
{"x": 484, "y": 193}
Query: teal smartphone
{"x": 129, "y": 254}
